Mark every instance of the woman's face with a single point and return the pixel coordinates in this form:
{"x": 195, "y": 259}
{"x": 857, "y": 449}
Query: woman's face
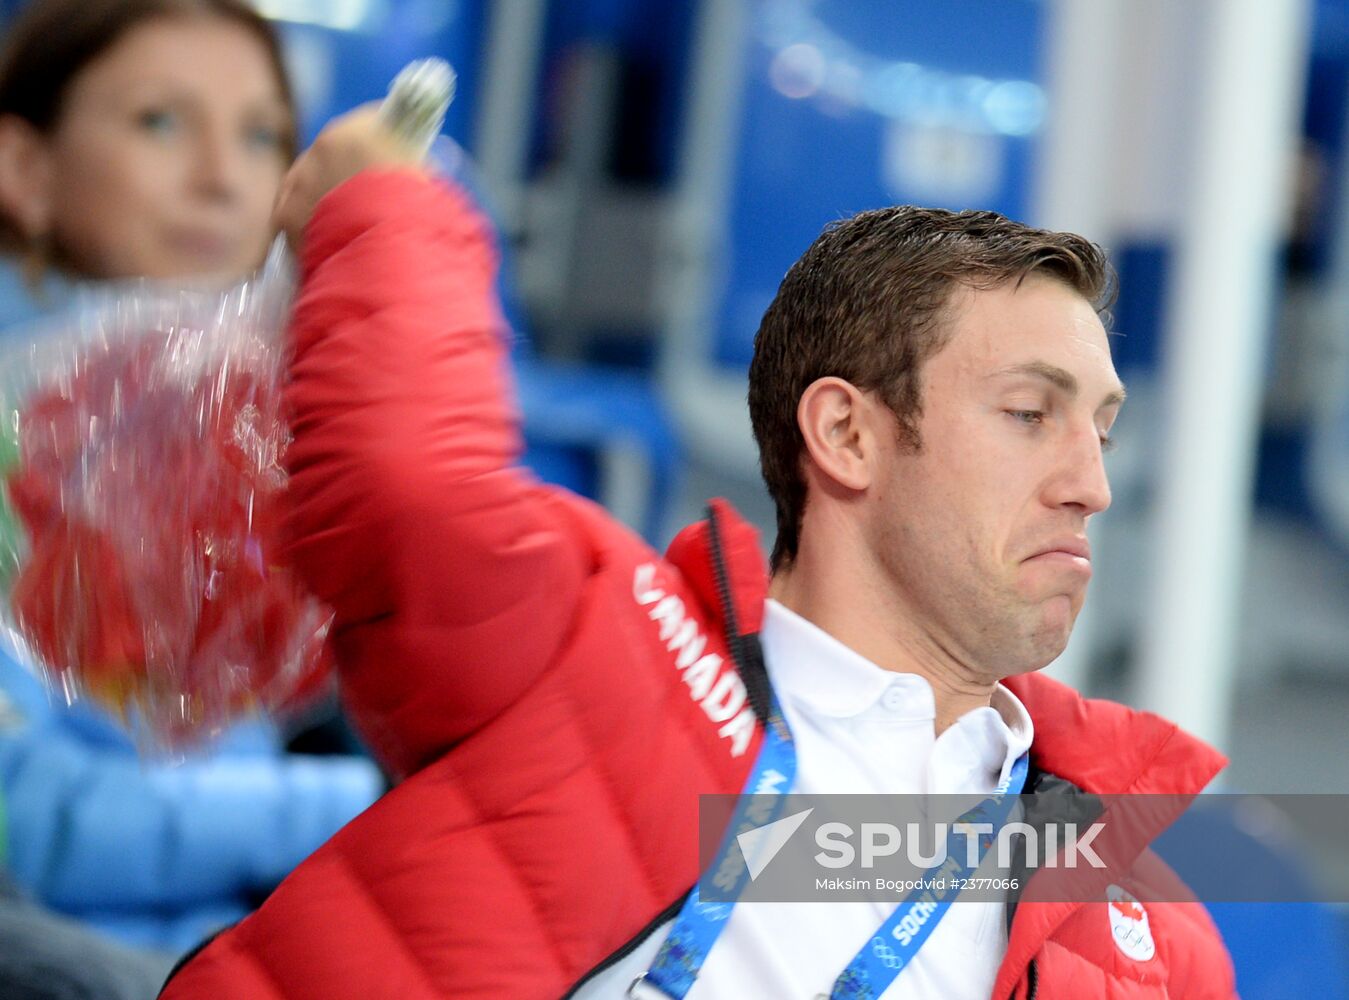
{"x": 168, "y": 154}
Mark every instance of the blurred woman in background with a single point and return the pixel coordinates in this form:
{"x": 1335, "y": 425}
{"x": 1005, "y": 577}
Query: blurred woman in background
{"x": 142, "y": 138}
{"x": 146, "y": 138}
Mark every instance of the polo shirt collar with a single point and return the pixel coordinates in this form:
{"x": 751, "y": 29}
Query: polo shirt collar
{"x": 819, "y": 674}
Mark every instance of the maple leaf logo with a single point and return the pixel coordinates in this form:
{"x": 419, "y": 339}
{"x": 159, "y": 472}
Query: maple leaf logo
{"x": 1128, "y": 908}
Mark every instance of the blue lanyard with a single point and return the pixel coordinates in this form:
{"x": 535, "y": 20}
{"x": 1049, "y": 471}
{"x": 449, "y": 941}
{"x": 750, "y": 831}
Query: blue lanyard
{"x": 886, "y": 953}
{"x": 894, "y": 946}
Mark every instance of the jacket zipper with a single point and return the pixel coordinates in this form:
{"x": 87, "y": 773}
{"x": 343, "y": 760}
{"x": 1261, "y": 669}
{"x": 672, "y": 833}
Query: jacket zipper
{"x": 746, "y": 652}
{"x": 1034, "y": 976}
{"x": 665, "y": 915}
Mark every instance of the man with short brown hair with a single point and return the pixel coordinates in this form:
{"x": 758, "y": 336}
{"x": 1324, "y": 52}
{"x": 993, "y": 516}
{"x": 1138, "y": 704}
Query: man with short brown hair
{"x": 932, "y": 393}
{"x": 866, "y": 302}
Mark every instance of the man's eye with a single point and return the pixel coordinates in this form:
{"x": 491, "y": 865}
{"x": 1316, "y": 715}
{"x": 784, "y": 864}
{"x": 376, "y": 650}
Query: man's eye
{"x": 1027, "y": 416}
{"x": 1107, "y": 442}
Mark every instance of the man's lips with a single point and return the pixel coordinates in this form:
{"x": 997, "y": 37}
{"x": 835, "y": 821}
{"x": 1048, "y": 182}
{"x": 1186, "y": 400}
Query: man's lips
{"x": 1072, "y": 553}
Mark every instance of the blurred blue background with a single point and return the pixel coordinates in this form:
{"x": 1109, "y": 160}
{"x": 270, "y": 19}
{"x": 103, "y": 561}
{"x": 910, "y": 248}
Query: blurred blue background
{"x": 654, "y": 168}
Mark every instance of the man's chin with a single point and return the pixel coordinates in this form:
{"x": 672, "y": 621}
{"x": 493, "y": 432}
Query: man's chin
{"x": 1031, "y": 637}
{"x": 1049, "y": 636}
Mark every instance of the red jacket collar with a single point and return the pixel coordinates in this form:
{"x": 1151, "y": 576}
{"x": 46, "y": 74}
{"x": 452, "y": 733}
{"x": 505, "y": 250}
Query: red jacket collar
{"x": 1099, "y": 746}
{"x": 1107, "y": 748}
{"x": 747, "y": 573}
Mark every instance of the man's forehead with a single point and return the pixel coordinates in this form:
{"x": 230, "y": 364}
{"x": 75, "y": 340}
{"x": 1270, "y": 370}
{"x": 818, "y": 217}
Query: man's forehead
{"x": 1040, "y": 328}
{"x": 1035, "y": 296}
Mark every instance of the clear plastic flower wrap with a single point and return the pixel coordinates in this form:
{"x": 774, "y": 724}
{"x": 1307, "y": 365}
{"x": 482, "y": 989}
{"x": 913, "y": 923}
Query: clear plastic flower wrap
{"x": 140, "y": 536}
{"x": 142, "y": 482}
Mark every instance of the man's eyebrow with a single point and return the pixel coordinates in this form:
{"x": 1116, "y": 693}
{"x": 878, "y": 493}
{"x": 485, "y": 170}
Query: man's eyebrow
{"x": 1061, "y": 378}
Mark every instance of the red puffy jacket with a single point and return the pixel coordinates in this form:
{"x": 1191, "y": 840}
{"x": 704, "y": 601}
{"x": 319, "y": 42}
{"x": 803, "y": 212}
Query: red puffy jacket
{"x": 554, "y": 694}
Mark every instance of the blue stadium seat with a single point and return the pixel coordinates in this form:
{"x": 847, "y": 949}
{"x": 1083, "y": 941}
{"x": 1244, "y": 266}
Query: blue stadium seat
{"x": 577, "y": 415}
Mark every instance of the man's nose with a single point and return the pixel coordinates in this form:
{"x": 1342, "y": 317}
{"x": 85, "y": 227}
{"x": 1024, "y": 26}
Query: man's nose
{"x": 1082, "y": 482}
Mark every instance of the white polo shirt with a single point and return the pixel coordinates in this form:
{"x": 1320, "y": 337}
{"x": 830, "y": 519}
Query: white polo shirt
{"x": 859, "y": 729}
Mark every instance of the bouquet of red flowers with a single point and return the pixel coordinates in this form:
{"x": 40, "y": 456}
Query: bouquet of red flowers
{"x": 142, "y": 472}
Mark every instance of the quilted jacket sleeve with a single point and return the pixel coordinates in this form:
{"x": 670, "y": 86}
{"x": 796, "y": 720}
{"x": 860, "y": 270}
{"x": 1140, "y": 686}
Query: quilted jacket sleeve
{"x": 453, "y": 573}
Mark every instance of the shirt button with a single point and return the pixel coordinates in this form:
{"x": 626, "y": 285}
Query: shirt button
{"x": 893, "y": 699}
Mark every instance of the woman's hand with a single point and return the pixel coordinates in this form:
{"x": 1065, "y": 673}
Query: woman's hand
{"x": 350, "y": 143}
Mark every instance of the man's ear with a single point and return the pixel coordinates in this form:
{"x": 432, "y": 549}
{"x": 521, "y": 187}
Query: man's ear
{"x": 25, "y": 176}
{"x": 833, "y": 416}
